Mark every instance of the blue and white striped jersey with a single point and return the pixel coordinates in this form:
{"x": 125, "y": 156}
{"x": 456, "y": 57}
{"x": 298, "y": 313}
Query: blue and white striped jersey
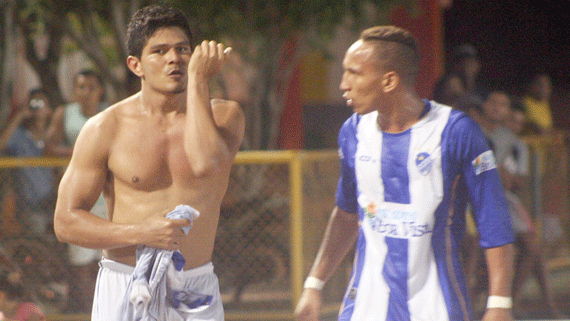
{"x": 410, "y": 191}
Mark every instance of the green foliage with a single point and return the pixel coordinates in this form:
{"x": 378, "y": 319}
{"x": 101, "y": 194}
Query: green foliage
{"x": 259, "y": 30}
{"x": 270, "y": 18}
{"x": 261, "y": 24}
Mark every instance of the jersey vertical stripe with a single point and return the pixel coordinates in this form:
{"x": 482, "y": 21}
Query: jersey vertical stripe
{"x": 394, "y": 168}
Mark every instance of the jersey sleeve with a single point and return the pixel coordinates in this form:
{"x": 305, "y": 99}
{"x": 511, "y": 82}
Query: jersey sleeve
{"x": 346, "y": 193}
{"x": 478, "y": 166}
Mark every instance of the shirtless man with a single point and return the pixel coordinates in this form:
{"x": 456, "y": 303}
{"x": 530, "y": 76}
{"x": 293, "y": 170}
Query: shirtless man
{"x": 167, "y": 145}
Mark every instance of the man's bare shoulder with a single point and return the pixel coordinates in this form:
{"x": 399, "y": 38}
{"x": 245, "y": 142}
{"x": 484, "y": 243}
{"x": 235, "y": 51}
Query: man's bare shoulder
{"x": 105, "y": 123}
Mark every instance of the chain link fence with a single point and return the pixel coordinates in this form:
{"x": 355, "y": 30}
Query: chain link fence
{"x": 271, "y": 224}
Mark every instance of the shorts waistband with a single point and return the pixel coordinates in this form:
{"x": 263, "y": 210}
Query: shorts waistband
{"x": 127, "y": 269}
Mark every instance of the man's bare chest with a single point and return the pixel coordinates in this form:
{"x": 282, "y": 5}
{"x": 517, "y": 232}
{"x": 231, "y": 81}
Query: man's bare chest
{"x": 149, "y": 158}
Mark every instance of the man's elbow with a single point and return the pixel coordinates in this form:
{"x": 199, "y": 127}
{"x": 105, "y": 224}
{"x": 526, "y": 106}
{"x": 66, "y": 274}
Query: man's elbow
{"x": 61, "y": 225}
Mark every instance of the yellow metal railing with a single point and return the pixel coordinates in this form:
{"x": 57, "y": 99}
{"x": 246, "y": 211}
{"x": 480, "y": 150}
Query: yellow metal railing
{"x": 294, "y": 159}
{"x": 295, "y": 162}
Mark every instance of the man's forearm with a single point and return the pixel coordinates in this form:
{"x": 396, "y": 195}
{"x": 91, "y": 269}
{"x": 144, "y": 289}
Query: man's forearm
{"x": 85, "y": 229}
{"x": 340, "y": 235}
{"x": 203, "y": 141}
{"x": 500, "y": 263}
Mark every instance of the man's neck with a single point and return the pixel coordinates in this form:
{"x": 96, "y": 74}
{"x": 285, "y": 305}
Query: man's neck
{"x": 401, "y": 115}
{"x": 154, "y": 103}
{"x": 89, "y": 109}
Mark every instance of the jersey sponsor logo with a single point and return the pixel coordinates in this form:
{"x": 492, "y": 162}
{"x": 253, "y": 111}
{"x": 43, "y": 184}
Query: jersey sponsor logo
{"x": 340, "y": 153}
{"x": 424, "y": 163}
{"x": 395, "y": 223}
{"x": 484, "y": 162}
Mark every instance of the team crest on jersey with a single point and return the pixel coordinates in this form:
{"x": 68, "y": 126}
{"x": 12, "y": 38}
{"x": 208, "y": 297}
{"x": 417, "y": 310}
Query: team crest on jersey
{"x": 484, "y": 162}
{"x": 424, "y": 163}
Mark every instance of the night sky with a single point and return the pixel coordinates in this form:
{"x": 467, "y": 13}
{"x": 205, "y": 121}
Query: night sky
{"x": 513, "y": 37}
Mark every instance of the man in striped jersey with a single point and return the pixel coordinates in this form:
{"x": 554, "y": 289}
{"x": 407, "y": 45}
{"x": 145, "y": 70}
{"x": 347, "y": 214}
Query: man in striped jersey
{"x": 408, "y": 168}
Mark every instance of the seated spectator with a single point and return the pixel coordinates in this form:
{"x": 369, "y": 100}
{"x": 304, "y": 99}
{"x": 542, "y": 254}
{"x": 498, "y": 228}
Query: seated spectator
{"x": 13, "y": 307}
{"x": 35, "y": 188}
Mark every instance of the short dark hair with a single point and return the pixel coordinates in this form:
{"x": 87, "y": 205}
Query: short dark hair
{"x": 147, "y": 20}
{"x": 397, "y": 48}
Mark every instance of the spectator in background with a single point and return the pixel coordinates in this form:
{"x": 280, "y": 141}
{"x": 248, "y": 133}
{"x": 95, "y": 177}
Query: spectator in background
{"x": 462, "y": 77}
{"x": 13, "y": 307}
{"x": 496, "y": 117}
{"x": 536, "y": 102}
{"x": 552, "y": 162}
{"x": 67, "y": 122}
{"x": 465, "y": 63}
{"x": 530, "y": 260}
{"x": 518, "y": 123}
{"x": 35, "y": 188}
{"x": 449, "y": 89}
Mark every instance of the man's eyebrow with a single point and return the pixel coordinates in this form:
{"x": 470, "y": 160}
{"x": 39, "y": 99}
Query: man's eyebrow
{"x": 181, "y": 43}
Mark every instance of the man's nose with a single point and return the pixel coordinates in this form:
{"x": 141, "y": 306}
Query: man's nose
{"x": 343, "y": 86}
{"x": 173, "y": 56}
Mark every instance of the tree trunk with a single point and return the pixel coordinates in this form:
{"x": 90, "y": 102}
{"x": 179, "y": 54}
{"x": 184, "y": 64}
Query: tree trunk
{"x": 6, "y": 57}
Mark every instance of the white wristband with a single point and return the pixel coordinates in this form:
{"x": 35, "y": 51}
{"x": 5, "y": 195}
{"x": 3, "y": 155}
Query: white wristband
{"x": 314, "y": 283}
{"x": 502, "y": 302}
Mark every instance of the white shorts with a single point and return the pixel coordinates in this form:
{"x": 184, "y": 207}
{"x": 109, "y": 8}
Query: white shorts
{"x": 199, "y": 283}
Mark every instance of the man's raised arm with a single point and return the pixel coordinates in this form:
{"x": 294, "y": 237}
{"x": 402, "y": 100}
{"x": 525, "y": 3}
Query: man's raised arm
{"x": 212, "y": 135}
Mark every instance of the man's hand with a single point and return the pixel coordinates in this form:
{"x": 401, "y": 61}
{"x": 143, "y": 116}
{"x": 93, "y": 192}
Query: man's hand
{"x": 162, "y": 233}
{"x": 208, "y": 59}
{"x": 309, "y": 306}
{"x": 497, "y": 314}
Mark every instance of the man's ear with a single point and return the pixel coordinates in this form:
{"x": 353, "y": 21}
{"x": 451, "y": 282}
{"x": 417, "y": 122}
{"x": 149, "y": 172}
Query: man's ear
{"x": 134, "y": 65}
{"x": 390, "y": 81}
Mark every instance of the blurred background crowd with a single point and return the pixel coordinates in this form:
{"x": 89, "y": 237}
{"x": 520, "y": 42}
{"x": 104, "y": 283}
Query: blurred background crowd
{"x": 63, "y": 61}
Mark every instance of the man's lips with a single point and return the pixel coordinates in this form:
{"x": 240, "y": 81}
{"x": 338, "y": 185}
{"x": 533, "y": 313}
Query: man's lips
{"x": 349, "y": 101}
{"x": 176, "y": 72}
